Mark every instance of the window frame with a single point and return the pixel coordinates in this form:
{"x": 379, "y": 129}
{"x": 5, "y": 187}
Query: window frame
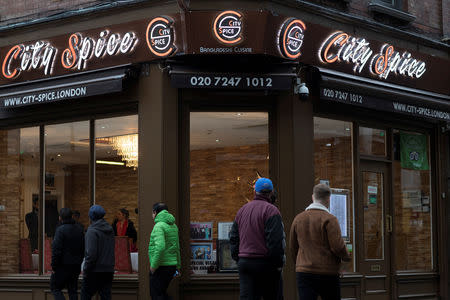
{"x": 129, "y": 110}
{"x": 194, "y": 101}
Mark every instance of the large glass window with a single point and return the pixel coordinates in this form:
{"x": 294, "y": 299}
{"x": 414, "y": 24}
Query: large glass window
{"x": 413, "y": 201}
{"x": 228, "y": 151}
{"x": 372, "y": 141}
{"x": 66, "y": 176}
{"x": 116, "y": 180}
{"x": 333, "y": 165}
{"x": 19, "y": 194}
{"x": 66, "y": 184}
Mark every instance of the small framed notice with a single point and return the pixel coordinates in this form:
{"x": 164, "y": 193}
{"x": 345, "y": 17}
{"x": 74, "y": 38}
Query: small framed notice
{"x": 224, "y": 229}
{"x": 339, "y": 208}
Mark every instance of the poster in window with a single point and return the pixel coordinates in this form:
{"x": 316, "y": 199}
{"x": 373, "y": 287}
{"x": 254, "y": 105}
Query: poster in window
{"x": 203, "y": 258}
{"x": 201, "y": 231}
{"x": 339, "y": 208}
{"x": 224, "y": 229}
{"x": 414, "y": 151}
{"x": 201, "y": 251}
{"x": 226, "y": 263}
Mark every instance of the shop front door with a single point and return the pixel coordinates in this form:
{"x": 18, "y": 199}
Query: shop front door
{"x": 375, "y": 229}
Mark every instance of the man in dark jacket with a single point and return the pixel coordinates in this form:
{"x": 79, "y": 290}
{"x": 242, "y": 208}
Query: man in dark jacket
{"x": 32, "y": 219}
{"x": 257, "y": 243}
{"x": 67, "y": 255}
{"x": 98, "y": 270}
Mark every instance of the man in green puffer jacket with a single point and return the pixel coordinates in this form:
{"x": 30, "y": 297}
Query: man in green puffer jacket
{"x": 163, "y": 251}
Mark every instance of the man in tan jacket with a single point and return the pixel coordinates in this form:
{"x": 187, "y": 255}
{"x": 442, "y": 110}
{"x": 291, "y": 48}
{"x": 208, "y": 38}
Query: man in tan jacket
{"x": 317, "y": 248}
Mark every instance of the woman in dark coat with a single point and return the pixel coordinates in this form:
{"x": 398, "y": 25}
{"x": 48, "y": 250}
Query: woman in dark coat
{"x": 124, "y": 227}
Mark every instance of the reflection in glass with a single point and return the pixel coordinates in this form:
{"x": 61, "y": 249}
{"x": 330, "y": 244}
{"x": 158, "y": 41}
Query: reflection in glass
{"x": 19, "y": 193}
{"x": 116, "y": 183}
{"x": 373, "y": 215}
{"x": 333, "y": 165}
{"x": 66, "y": 176}
{"x": 372, "y": 141}
{"x": 228, "y": 150}
{"x": 413, "y": 204}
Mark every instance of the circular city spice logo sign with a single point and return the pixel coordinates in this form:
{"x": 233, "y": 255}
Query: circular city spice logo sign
{"x": 160, "y": 36}
{"x": 291, "y": 38}
{"x": 228, "y": 27}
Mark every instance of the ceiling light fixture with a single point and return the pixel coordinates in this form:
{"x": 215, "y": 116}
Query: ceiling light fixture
{"x": 106, "y": 162}
{"x": 126, "y": 146}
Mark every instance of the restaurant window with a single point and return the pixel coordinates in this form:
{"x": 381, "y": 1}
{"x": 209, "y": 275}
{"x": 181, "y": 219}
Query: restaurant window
{"x": 65, "y": 184}
{"x": 66, "y": 176}
{"x": 19, "y": 195}
{"x": 372, "y": 141}
{"x": 228, "y": 151}
{"x": 116, "y": 180}
{"x": 393, "y": 12}
{"x": 333, "y": 165}
{"x": 413, "y": 201}
{"x": 392, "y": 3}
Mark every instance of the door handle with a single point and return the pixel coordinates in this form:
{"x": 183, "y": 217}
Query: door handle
{"x": 389, "y": 223}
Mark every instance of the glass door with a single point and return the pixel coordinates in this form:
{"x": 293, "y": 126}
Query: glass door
{"x": 376, "y": 225}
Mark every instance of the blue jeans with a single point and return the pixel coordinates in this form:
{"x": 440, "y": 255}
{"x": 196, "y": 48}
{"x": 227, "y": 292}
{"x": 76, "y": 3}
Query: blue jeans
{"x": 310, "y": 286}
{"x": 94, "y": 282}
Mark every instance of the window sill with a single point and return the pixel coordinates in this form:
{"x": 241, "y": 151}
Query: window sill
{"x": 391, "y": 12}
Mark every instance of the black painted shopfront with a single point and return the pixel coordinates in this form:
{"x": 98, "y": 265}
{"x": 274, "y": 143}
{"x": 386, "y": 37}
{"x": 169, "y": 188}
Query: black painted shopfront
{"x": 190, "y": 107}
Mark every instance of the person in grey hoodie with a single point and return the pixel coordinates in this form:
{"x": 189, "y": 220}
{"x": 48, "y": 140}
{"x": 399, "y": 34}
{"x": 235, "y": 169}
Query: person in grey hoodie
{"x": 98, "y": 269}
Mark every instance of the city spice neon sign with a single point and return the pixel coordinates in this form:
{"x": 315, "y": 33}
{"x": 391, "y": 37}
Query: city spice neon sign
{"x": 342, "y": 47}
{"x": 80, "y": 50}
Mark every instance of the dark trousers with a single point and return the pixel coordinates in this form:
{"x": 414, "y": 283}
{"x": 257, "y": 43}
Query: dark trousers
{"x": 94, "y": 282}
{"x": 258, "y": 278}
{"x": 159, "y": 282}
{"x": 65, "y": 277}
{"x": 310, "y": 286}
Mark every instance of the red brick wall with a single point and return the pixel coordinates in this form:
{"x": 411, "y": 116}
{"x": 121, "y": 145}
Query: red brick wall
{"x": 116, "y": 188}
{"x": 432, "y": 16}
{"x": 446, "y": 18}
{"x": 25, "y": 10}
{"x": 219, "y": 181}
{"x": 428, "y": 15}
{"x": 10, "y": 197}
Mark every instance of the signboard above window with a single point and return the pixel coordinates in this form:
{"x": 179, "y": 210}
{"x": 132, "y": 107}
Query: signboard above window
{"x": 226, "y": 33}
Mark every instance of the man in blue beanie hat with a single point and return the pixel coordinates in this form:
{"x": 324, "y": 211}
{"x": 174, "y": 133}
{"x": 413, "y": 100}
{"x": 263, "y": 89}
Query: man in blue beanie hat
{"x": 98, "y": 270}
{"x": 257, "y": 242}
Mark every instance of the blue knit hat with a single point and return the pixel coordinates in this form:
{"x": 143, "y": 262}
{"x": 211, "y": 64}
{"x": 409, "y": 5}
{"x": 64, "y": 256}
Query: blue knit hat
{"x": 263, "y": 185}
{"x": 96, "y": 212}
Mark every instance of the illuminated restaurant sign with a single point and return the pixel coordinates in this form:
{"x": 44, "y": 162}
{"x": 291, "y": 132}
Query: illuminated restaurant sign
{"x": 160, "y": 36}
{"x": 83, "y": 49}
{"x": 228, "y": 27}
{"x": 291, "y": 38}
{"x": 341, "y": 47}
{"x": 224, "y": 33}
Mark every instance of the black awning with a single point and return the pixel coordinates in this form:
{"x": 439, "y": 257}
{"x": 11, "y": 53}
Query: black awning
{"x": 233, "y": 77}
{"x": 63, "y": 88}
{"x": 372, "y": 94}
